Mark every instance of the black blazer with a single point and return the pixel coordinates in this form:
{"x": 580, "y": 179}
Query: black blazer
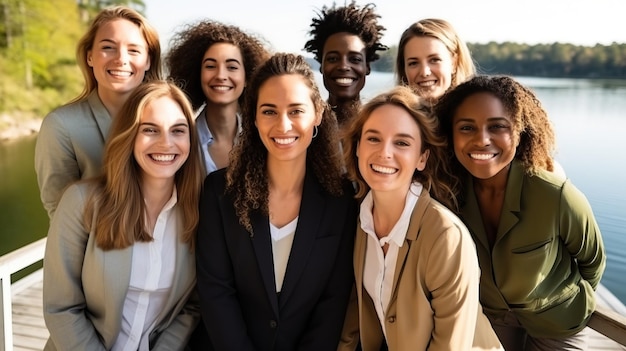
{"x": 240, "y": 307}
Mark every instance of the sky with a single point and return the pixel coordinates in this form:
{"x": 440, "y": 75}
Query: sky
{"x": 285, "y": 23}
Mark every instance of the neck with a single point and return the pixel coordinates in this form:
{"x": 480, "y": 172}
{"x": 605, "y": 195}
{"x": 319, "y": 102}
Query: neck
{"x": 112, "y": 101}
{"x": 495, "y": 184}
{"x": 387, "y": 209}
{"x": 156, "y": 194}
{"x": 344, "y": 109}
{"x": 221, "y": 120}
{"x": 285, "y": 177}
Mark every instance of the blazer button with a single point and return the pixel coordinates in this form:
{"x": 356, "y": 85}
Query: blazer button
{"x": 391, "y": 319}
{"x": 273, "y": 324}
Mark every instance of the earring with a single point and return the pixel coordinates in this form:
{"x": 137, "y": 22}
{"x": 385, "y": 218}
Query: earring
{"x": 315, "y": 131}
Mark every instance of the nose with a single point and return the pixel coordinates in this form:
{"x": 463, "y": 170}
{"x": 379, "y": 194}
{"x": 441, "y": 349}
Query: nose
{"x": 345, "y": 65}
{"x": 284, "y": 123}
{"x": 482, "y": 137}
{"x": 222, "y": 72}
{"x": 123, "y": 56}
{"x": 386, "y": 150}
{"x": 165, "y": 139}
{"x": 424, "y": 70}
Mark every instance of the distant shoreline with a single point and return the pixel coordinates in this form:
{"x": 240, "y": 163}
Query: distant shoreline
{"x": 12, "y": 128}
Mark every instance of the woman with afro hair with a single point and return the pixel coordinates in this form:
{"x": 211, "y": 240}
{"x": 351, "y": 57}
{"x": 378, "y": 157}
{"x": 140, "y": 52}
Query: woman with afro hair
{"x": 345, "y": 41}
{"x": 212, "y": 62}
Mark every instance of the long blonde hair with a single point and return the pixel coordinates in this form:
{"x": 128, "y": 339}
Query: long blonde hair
{"x": 85, "y": 44}
{"x": 117, "y": 200}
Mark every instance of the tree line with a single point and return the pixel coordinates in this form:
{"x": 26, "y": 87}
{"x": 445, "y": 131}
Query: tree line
{"x": 556, "y": 60}
{"x": 38, "y": 61}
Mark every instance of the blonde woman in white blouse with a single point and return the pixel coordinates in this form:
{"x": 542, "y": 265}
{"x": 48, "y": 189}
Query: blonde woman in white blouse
{"x": 119, "y": 266}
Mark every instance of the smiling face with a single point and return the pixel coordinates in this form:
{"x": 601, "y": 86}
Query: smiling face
{"x": 285, "y": 117}
{"x": 390, "y": 150}
{"x": 429, "y": 66}
{"x": 223, "y": 75}
{"x": 162, "y": 143}
{"x": 119, "y": 57}
{"x": 482, "y": 133}
{"x": 344, "y": 66}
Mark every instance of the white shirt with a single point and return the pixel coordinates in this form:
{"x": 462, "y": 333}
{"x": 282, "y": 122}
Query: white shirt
{"x": 379, "y": 268}
{"x": 282, "y": 240}
{"x": 151, "y": 278}
{"x": 206, "y": 139}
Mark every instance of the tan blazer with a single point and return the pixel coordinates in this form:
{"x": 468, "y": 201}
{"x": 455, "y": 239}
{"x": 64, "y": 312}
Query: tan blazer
{"x": 84, "y": 287}
{"x": 69, "y": 147}
{"x": 434, "y": 303}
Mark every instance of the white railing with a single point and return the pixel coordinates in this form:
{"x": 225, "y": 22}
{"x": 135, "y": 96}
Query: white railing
{"x": 11, "y": 263}
{"x": 604, "y": 320}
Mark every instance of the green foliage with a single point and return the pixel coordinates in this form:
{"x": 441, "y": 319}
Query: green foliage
{"x": 37, "y": 55}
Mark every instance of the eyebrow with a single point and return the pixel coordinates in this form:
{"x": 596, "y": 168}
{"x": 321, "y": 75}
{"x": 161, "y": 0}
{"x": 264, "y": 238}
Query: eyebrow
{"x": 489, "y": 119}
{"x": 401, "y": 135}
{"x": 180, "y": 124}
{"x": 295, "y": 104}
{"x": 116, "y": 43}
{"x": 227, "y": 60}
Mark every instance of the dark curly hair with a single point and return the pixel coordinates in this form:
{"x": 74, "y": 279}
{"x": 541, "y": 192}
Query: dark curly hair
{"x": 531, "y": 124}
{"x": 246, "y": 177}
{"x": 187, "y": 48}
{"x": 361, "y": 21}
{"x": 436, "y": 176}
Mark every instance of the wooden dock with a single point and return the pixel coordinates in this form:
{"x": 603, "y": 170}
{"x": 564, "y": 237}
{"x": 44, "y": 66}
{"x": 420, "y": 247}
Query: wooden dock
{"x": 29, "y": 331}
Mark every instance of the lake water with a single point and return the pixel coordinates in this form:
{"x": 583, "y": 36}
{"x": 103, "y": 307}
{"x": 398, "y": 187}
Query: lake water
{"x": 590, "y": 122}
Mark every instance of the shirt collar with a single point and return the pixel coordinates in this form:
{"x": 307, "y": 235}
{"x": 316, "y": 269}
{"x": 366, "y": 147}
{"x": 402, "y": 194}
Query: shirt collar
{"x": 398, "y": 232}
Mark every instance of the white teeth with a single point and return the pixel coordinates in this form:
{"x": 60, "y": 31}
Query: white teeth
{"x": 120, "y": 73}
{"x": 344, "y": 81}
{"x": 482, "y": 156}
{"x": 221, "y": 88}
{"x": 163, "y": 158}
{"x": 427, "y": 83}
{"x": 284, "y": 141}
{"x": 385, "y": 170}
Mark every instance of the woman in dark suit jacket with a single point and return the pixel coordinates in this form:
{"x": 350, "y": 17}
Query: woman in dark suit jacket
{"x": 275, "y": 239}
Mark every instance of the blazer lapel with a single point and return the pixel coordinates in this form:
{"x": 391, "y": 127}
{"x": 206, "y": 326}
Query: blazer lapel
{"x": 310, "y": 216}
{"x": 512, "y": 199}
{"x": 101, "y": 115}
{"x": 116, "y": 273}
{"x": 415, "y": 225}
{"x": 261, "y": 241}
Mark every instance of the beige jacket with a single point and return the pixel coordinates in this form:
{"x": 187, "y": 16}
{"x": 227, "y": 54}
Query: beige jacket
{"x": 84, "y": 288}
{"x": 434, "y": 303}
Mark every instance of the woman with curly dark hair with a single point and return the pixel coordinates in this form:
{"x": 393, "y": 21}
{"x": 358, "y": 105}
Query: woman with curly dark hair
{"x": 539, "y": 247}
{"x": 276, "y": 232}
{"x": 212, "y": 62}
{"x": 345, "y": 41}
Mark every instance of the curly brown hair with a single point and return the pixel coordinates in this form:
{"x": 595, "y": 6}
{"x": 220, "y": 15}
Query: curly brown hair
{"x": 436, "y": 175}
{"x": 188, "y": 46}
{"x": 361, "y": 21}
{"x": 246, "y": 177}
{"x": 531, "y": 123}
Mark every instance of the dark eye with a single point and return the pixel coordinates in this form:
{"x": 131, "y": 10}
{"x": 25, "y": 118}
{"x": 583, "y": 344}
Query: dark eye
{"x": 372, "y": 139}
{"x": 149, "y": 130}
{"x": 402, "y": 143}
